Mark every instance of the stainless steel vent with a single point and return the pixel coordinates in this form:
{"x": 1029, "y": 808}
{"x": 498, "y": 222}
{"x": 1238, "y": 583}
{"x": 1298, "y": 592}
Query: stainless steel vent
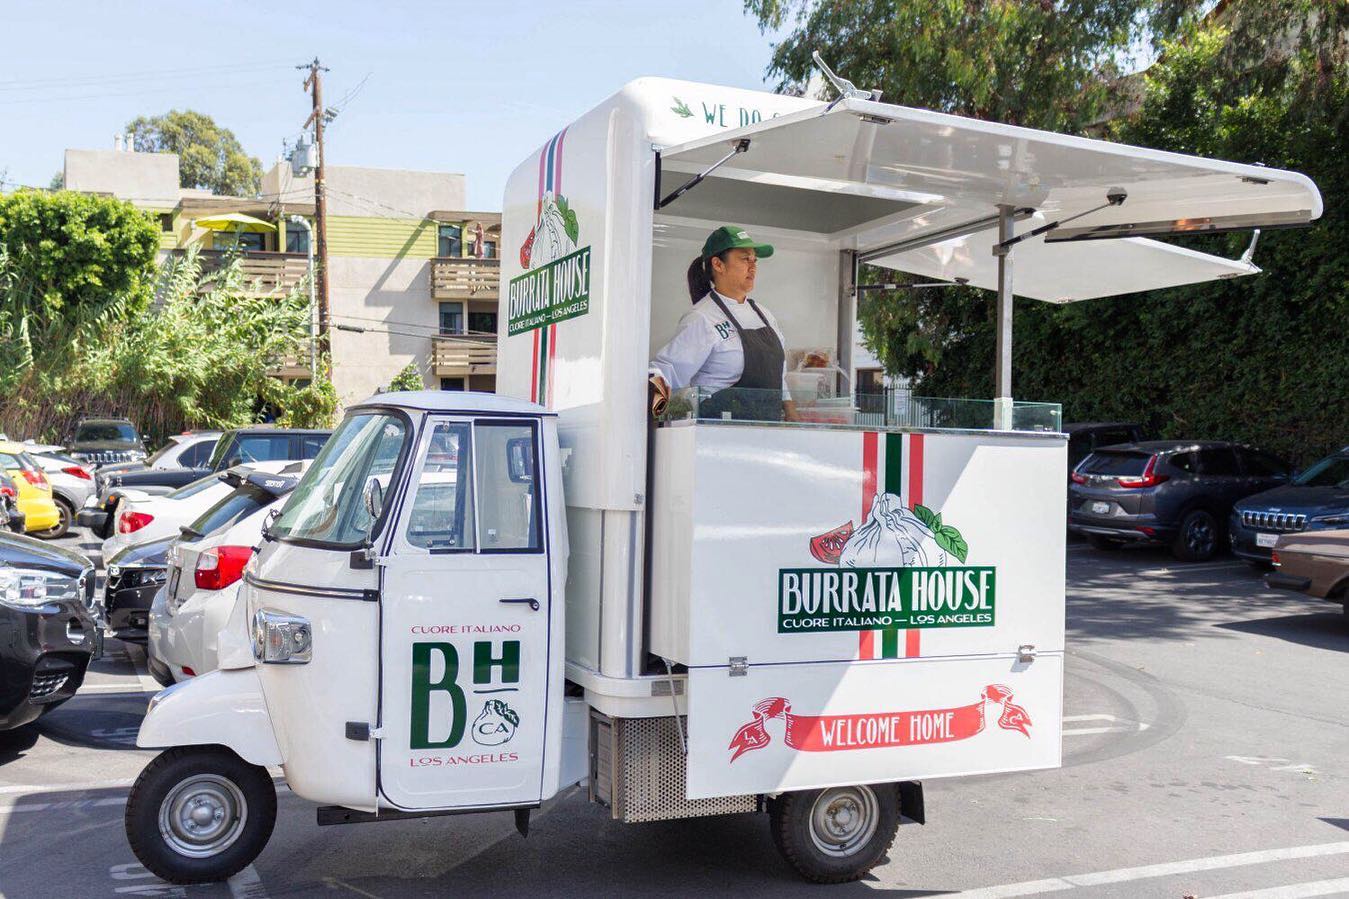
{"x": 1274, "y": 521}
{"x": 638, "y": 770}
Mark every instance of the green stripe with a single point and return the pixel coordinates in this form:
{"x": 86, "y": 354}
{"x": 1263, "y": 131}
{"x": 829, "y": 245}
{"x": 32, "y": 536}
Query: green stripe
{"x": 894, "y": 476}
{"x": 543, "y": 364}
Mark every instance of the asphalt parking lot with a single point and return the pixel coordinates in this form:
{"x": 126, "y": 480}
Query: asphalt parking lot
{"x": 1206, "y": 734}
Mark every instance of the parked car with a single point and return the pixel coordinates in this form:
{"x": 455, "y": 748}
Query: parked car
{"x": 35, "y": 491}
{"x": 136, "y": 572}
{"x": 71, "y": 484}
{"x": 191, "y": 449}
{"x": 99, "y": 441}
{"x": 187, "y": 616}
{"x": 244, "y": 445}
{"x": 142, "y": 518}
{"x": 1315, "y": 500}
{"x": 1315, "y": 563}
{"x": 1086, "y": 437}
{"x": 11, "y": 519}
{"x": 46, "y": 597}
{"x": 1177, "y": 493}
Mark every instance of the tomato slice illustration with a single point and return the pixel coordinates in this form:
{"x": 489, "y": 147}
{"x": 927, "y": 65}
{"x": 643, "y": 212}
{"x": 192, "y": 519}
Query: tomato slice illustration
{"x": 527, "y": 249}
{"x": 828, "y": 547}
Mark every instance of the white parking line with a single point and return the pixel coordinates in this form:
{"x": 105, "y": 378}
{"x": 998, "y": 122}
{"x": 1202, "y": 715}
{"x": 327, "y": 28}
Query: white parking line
{"x": 1085, "y": 731}
{"x": 136, "y": 686}
{"x": 33, "y": 790}
{"x": 1294, "y": 890}
{"x": 1122, "y": 875}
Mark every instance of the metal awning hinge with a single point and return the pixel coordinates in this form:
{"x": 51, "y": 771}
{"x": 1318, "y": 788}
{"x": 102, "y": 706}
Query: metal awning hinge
{"x": 738, "y": 666}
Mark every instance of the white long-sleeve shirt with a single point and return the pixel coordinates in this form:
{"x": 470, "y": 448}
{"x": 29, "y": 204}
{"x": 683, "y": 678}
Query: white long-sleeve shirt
{"x": 706, "y": 350}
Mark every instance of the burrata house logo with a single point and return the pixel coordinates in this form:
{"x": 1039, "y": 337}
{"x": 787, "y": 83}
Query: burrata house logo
{"x": 555, "y": 285}
{"x": 877, "y": 730}
{"x": 495, "y": 724}
{"x": 899, "y": 570}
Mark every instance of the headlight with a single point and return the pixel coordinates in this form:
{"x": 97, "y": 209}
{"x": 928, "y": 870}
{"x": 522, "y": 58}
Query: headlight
{"x": 30, "y": 588}
{"x": 1336, "y": 520}
{"x": 281, "y": 639}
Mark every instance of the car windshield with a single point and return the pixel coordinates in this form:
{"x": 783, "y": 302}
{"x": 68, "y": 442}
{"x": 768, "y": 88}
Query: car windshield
{"x": 244, "y": 501}
{"x": 329, "y": 504}
{"x": 106, "y": 430}
{"x": 1114, "y": 464}
{"x": 1329, "y": 472}
{"x": 195, "y": 487}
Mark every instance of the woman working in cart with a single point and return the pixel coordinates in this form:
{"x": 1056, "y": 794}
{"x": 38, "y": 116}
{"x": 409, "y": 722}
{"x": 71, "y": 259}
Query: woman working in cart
{"x": 727, "y": 343}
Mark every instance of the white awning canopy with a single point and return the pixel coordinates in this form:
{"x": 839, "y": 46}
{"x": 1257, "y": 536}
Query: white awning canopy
{"x": 919, "y": 191}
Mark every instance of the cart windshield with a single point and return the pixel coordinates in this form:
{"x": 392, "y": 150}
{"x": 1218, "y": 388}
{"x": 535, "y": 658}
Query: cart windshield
{"x": 329, "y": 506}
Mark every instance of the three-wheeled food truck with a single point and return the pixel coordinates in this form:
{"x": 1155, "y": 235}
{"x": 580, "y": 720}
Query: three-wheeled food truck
{"x": 472, "y": 601}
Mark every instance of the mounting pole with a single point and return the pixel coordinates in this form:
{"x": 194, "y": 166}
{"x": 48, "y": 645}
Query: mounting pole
{"x": 1002, "y": 375}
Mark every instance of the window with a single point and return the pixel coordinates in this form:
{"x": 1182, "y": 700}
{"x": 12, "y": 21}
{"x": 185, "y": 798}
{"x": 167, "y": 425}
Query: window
{"x": 1113, "y": 464}
{"x": 451, "y": 240}
{"x": 297, "y": 240}
{"x": 477, "y": 489}
{"x": 166, "y": 222}
{"x": 252, "y": 241}
{"x": 329, "y": 504}
{"x": 1219, "y": 462}
{"x": 489, "y": 249}
{"x": 442, "y": 513}
{"x": 311, "y": 445}
{"x": 451, "y": 318}
{"x": 870, "y": 380}
{"x": 1332, "y": 471}
{"x": 482, "y": 322}
{"x": 451, "y": 383}
{"x": 197, "y": 455}
{"x": 106, "y": 430}
{"x": 1262, "y": 465}
{"x": 242, "y": 502}
{"x": 1113, "y": 437}
{"x": 1185, "y": 462}
{"x": 262, "y": 448}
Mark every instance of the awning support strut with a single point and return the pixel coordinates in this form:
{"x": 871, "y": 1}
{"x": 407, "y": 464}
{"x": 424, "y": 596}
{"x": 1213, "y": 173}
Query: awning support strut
{"x": 1002, "y": 404}
{"x": 740, "y": 146}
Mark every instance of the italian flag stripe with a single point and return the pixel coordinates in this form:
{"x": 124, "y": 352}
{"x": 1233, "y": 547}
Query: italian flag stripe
{"x": 890, "y": 466}
{"x": 545, "y": 339}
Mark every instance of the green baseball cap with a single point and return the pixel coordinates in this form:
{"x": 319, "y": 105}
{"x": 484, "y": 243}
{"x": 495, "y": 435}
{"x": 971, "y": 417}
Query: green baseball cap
{"x": 728, "y": 237}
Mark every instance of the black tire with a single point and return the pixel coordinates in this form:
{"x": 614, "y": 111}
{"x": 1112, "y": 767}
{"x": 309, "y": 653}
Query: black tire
{"x": 1099, "y": 542}
{"x": 1198, "y": 538}
{"x": 62, "y": 527}
{"x": 208, "y": 779}
{"x": 110, "y": 522}
{"x": 1260, "y": 565}
{"x": 824, "y": 849}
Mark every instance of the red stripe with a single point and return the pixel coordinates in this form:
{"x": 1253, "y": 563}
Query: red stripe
{"x": 552, "y": 353}
{"x": 866, "y": 644}
{"x": 912, "y": 638}
{"x": 543, "y": 161}
{"x": 557, "y": 163}
{"x": 534, "y": 370}
{"x": 866, "y": 640}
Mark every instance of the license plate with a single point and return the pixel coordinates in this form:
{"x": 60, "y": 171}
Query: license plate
{"x": 1100, "y": 508}
{"x": 172, "y": 589}
{"x": 1266, "y": 541}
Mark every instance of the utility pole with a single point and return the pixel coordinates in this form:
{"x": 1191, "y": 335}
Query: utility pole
{"x": 314, "y": 84}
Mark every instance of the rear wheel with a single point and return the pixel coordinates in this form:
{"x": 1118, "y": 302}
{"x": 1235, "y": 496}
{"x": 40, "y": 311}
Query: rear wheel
{"x": 1099, "y": 542}
{"x": 200, "y": 813}
{"x": 838, "y": 834}
{"x": 62, "y": 527}
{"x": 1197, "y": 540}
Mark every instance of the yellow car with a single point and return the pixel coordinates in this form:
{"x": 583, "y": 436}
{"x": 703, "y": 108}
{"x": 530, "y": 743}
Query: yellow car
{"x": 35, "y": 492}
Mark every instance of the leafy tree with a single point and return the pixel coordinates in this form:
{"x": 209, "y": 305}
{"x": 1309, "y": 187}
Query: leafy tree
{"x": 407, "y": 379}
{"x": 209, "y": 156}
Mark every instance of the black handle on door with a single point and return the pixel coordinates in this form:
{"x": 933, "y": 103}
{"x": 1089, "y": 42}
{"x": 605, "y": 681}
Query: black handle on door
{"x": 533, "y": 603}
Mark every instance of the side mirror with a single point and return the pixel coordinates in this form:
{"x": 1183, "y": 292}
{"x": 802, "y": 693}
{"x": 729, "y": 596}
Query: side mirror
{"x": 374, "y": 498}
{"x": 520, "y": 460}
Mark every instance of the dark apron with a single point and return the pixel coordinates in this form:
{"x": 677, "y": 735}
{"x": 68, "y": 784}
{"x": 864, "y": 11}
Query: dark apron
{"x": 757, "y": 396}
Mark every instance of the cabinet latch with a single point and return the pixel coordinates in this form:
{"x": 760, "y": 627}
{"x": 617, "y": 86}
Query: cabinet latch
{"x": 1025, "y": 653}
{"x": 361, "y": 731}
{"x": 739, "y": 666}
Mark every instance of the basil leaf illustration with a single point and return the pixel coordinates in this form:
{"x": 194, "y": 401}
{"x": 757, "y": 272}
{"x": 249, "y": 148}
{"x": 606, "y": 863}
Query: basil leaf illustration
{"x": 929, "y": 518}
{"x": 949, "y": 539}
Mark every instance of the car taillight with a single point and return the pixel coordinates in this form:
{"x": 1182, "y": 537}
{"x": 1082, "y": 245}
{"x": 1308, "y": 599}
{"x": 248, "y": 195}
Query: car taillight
{"x": 1149, "y": 478}
{"x": 130, "y": 522}
{"x": 1274, "y": 559}
{"x": 219, "y": 567}
{"x": 35, "y": 477}
{"x": 76, "y": 472}
{"x": 6, "y": 490}
{"x": 1079, "y": 478}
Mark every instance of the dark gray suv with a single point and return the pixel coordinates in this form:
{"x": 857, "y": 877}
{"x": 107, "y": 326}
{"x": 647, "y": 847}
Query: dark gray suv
{"x": 1177, "y": 493}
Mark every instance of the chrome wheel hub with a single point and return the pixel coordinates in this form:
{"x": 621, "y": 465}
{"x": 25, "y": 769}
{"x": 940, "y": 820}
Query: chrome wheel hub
{"x": 202, "y": 816}
{"x": 843, "y": 820}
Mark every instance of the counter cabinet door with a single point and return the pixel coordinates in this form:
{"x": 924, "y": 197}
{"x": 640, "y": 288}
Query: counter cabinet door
{"x": 465, "y": 598}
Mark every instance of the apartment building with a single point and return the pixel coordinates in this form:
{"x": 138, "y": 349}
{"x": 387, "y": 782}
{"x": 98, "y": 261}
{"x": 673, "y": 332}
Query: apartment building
{"x": 413, "y": 277}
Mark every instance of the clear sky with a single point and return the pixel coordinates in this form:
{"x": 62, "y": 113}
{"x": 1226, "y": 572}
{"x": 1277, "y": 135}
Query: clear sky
{"x": 459, "y": 87}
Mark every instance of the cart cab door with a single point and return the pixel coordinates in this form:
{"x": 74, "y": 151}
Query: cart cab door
{"x": 466, "y": 604}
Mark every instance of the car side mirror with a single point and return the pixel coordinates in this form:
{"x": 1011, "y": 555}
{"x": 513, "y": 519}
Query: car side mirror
{"x": 374, "y": 498}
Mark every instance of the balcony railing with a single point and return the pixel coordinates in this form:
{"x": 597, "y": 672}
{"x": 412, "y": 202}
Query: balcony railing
{"x": 453, "y": 278}
{"x": 469, "y": 354}
{"x": 265, "y": 274}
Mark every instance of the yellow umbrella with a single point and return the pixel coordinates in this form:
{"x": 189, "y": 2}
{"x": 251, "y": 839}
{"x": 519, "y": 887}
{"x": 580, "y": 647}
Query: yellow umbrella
{"x": 234, "y": 221}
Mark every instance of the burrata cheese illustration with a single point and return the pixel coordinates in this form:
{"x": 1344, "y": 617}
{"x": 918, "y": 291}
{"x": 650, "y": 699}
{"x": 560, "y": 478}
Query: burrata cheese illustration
{"x": 893, "y": 536}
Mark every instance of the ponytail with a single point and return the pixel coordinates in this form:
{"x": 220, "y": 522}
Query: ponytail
{"x": 700, "y": 279}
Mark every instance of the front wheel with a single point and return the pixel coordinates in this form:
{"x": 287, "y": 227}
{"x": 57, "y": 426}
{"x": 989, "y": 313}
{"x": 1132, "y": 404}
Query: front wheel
{"x": 1197, "y": 540}
{"x": 200, "y": 813}
{"x": 62, "y": 526}
{"x": 835, "y": 835}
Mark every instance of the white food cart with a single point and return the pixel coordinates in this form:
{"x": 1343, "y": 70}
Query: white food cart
{"x": 698, "y": 615}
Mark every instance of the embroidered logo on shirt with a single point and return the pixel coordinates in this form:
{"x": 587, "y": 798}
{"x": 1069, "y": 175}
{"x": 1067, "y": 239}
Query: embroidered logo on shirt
{"x": 723, "y": 329}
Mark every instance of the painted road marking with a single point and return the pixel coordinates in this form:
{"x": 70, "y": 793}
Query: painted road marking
{"x": 70, "y": 804}
{"x": 136, "y": 686}
{"x": 1123, "y": 875}
{"x": 135, "y": 872}
{"x": 1123, "y": 727}
{"x": 247, "y": 885}
{"x": 1294, "y": 890}
{"x": 30, "y": 789}
{"x": 1273, "y": 763}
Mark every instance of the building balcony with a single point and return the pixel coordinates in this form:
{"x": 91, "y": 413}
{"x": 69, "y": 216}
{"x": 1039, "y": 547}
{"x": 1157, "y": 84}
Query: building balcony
{"x": 265, "y": 274}
{"x": 454, "y": 278}
{"x": 456, "y": 355}
{"x": 292, "y": 366}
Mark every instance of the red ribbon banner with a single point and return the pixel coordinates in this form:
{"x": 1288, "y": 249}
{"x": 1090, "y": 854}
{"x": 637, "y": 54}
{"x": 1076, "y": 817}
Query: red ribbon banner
{"x": 876, "y": 730}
